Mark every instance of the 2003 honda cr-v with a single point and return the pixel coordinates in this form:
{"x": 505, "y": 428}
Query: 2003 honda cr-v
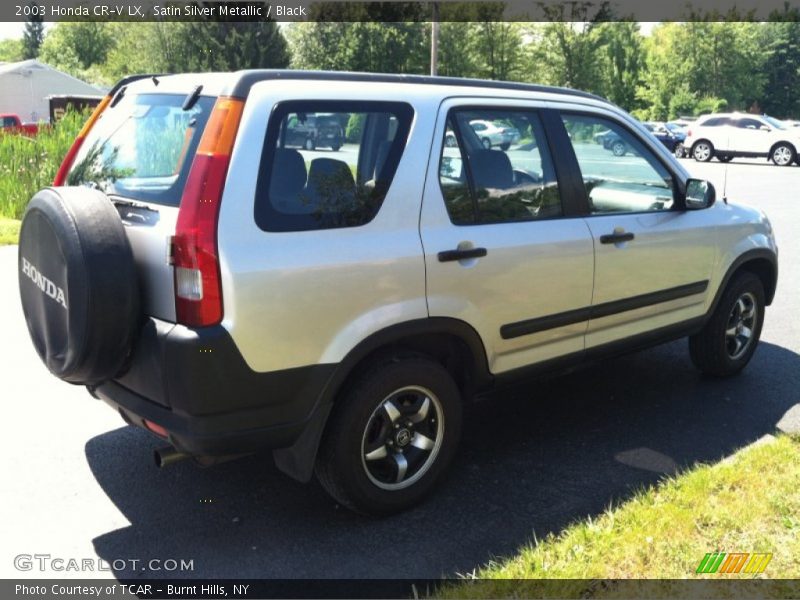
{"x": 229, "y": 291}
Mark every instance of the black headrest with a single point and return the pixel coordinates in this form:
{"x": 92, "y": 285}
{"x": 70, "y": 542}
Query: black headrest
{"x": 491, "y": 169}
{"x": 288, "y": 173}
{"x": 329, "y": 171}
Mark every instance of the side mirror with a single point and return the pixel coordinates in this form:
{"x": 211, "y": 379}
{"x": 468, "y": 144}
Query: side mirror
{"x": 700, "y": 194}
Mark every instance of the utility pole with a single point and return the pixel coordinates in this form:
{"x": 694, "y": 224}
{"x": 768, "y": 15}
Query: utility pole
{"x": 434, "y": 38}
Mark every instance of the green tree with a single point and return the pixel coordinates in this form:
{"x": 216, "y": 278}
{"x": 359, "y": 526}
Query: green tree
{"x": 227, "y": 46}
{"x": 455, "y": 56}
{"x": 34, "y": 35}
{"x": 78, "y": 45}
{"x": 11, "y": 50}
{"x": 621, "y": 62}
{"x": 388, "y": 47}
{"x": 782, "y": 69}
{"x": 714, "y": 61}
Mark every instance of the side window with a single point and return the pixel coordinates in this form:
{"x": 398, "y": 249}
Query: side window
{"x": 750, "y": 124}
{"x": 329, "y": 164}
{"x": 495, "y": 167}
{"x": 620, "y": 173}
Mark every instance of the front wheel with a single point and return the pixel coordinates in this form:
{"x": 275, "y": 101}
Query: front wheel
{"x": 310, "y": 144}
{"x": 723, "y": 158}
{"x": 727, "y": 342}
{"x": 679, "y": 151}
{"x": 618, "y": 149}
{"x": 391, "y": 436}
{"x": 487, "y": 143}
{"x": 783, "y": 155}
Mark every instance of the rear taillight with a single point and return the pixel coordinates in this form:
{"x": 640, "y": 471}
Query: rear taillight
{"x": 66, "y": 164}
{"x": 688, "y": 133}
{"x": 198, "y": 290}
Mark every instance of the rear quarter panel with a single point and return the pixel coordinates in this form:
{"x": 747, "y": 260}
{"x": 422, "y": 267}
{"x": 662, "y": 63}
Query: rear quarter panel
{"x": 298, "y": 298}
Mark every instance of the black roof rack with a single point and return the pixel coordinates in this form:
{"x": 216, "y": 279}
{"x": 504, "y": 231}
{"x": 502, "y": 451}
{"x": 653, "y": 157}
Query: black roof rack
{"x": 247, "y": 78}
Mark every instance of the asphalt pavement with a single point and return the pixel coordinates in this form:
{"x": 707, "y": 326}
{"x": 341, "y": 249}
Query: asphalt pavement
{"x": 78, "y": 483}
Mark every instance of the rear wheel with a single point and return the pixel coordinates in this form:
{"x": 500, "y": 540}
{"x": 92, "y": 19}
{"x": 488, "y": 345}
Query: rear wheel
{"x": 487, "y": 143}
{"x": 618, "y": 149}
{"x": 783, "y": 155}
{"x": 703, "y": 151}
{"x": 391, "y": 436}
{"x": 729, "y": 339}
{"x": 309, "y": 144}
{"x": 725, "y": 158}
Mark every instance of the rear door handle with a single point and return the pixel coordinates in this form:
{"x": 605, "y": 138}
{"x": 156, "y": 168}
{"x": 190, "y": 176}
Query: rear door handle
{"x": 616, "y": 237}
{"x": 451, "y": 255}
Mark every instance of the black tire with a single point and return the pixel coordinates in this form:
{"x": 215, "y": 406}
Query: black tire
{"x": 679, "y": 151}
{"x": 78, "y": 284}
{"x": 783, "y": 154}
{"x": 618, "y": 148}
{"x": 486, "y": 143}
{"x": 505, "y": 146}
{"x": 336, "y": 145}
{"x": 342, "y": 464}
{"x": 723, "y": 158}
{"x": 450, "y": 141}
{"x": 711, "y": 349}
{"x": 310, "y": 144}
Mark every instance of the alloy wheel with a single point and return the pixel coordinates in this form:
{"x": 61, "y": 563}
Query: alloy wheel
{"x": 402, "y": 438}
{"x": 782, "y": 156}
{"x": 741, "y": 326}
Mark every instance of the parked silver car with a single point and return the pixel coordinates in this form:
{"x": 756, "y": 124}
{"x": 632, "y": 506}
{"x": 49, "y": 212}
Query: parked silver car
{"x": 230, "y": 292}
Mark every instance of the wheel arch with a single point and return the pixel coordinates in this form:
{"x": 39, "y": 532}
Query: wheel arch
{"x": 761, "y": 262}
{"x": 780, "y": 143}
{"x": 453, "y": 343}
{"x": 706, "y": 140}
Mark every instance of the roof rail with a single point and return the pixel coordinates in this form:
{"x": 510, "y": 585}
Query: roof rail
{"x": 247, "y": 78}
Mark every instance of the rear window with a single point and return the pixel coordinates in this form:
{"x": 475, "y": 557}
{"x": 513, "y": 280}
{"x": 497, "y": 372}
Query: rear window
{"x": 142, "y": 148}
{"x": 329, "y": 164}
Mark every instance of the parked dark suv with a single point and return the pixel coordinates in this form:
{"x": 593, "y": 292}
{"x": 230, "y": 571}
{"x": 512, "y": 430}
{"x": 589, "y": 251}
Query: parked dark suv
{"x": 311, "y": 131}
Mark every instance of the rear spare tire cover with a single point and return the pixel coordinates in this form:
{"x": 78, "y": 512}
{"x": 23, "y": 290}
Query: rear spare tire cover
{"x": 78, "y": 284}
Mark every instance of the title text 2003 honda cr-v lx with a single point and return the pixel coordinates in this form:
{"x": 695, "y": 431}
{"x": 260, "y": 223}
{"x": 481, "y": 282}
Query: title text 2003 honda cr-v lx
{"x": 229, "y": 291}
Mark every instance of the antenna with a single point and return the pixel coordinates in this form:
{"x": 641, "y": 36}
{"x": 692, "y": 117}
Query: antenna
{"x": 725, "y": 185}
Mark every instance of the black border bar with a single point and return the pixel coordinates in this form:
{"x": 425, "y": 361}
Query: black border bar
{"x": 606, "y": 309}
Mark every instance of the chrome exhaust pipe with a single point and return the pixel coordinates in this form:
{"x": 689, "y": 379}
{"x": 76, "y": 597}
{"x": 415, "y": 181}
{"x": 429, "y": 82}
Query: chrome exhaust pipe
{"x": 167, "y": 456}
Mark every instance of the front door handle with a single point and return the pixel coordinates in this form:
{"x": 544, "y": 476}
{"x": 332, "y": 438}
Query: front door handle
{"x": 451, "y": 255}
{"x": 616, "y": 237}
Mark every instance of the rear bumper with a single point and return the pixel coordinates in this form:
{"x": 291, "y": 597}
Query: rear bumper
{"x": 195, "y": 384}
{"x": 212, "y": 435}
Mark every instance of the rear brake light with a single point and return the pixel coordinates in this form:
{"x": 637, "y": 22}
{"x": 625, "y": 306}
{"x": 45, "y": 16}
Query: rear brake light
{"x": 198, "y": 289}
{"x": 688, "y": 133}
{"x": 66, "y": 164}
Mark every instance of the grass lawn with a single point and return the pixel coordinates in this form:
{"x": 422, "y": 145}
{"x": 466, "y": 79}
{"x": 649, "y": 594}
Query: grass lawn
{"x": 747, "y": 503}
{"x": 9, "y": 231}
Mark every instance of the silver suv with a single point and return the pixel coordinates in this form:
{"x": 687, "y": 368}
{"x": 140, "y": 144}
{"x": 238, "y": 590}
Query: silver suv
{"x": 230, "y": 292}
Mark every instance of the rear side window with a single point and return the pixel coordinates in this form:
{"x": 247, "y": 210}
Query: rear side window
{"x": 142, "y": 148}
{"x": 329, "y": 164}
{"x": 716, "y": 122}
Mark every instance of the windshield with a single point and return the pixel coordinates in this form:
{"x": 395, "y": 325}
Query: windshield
{"x": 142, "y": 148}
{"x": 774, "y": 122}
